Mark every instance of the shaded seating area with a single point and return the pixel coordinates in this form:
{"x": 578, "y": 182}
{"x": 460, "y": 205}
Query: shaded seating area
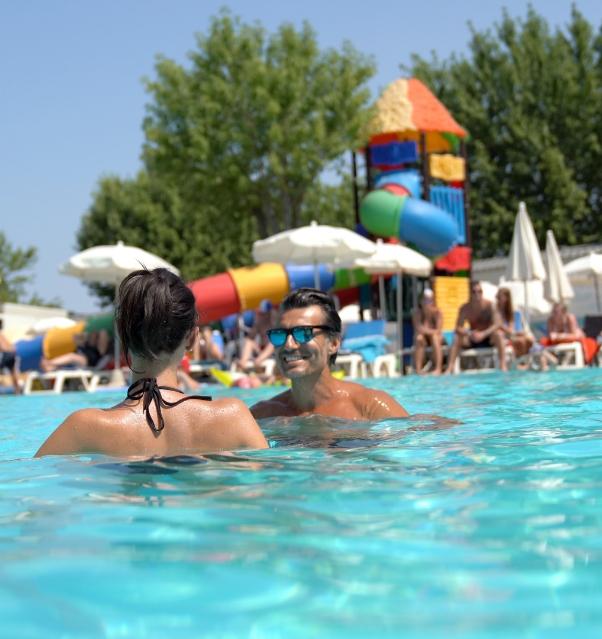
{"x": 364, "y": 351}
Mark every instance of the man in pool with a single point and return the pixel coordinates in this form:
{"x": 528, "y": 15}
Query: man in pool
{"x": 306, "y": 340}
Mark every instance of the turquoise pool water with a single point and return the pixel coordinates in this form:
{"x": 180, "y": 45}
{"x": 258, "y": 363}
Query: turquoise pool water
{"x": 491, "y": 528}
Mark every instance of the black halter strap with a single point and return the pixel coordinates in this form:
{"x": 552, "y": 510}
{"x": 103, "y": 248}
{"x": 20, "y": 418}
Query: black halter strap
{"x": 149, "y": 391}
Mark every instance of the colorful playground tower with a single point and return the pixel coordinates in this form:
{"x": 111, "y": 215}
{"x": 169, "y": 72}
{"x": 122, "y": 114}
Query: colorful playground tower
{"x": 415, "y": 171}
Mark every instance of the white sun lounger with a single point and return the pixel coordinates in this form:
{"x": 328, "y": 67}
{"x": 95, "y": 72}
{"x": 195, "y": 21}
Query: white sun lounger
{"x": 58, "y": 378}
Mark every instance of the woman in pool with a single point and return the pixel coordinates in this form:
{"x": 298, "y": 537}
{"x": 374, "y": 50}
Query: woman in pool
{"x": 156, "y": 320}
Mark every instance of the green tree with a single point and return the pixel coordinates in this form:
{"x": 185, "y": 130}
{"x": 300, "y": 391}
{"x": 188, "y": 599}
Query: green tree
{"x": 530, "y": 99}
{"x": 140, "y": 212}
{"x": 14, "y": 262}
{"x": 236, "y": 145}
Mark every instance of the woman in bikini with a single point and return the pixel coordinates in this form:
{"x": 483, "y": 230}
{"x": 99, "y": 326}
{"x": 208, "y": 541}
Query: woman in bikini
{"x": 512, "y": 327}
{"x": 157, "y": 323}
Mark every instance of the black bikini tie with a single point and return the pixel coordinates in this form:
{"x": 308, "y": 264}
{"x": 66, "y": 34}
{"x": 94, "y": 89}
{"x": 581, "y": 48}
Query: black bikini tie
{"x": 149, "y": 391}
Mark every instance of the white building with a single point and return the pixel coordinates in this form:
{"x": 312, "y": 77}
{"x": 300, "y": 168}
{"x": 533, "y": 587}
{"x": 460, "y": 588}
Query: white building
{"x": 19, "y": 319}
{"x": 584, "y": 302}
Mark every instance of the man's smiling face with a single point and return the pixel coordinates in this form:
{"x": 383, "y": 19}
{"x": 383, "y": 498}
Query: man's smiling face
{"x": 299, "y": 360}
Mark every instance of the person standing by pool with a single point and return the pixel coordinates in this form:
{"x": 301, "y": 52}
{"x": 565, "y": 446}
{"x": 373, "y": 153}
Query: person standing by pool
{"x": 484, "y": 323}
{"x": 156, "y": 320}
{"x": 8, "y": 359}
{"x": 306, "y": 341}
{"x": 428, "y": 322}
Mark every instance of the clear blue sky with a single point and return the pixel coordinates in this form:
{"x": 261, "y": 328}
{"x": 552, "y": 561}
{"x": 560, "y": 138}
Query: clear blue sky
{"x": 72, "y": 98}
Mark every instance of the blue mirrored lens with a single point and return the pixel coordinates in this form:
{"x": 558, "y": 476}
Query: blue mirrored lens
{"x": 302, "y": 334}
{"x": 277, "y": 336}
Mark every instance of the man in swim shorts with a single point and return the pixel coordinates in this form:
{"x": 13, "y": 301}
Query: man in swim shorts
{"x": 306, "y": 341}
{"x": 483, "y": 321}
{"x": 8, "y": 359}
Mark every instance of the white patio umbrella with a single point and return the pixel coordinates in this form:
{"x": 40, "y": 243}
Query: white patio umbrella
{"x": 313, "y": 244}
{"x": 585, "y": 269}
{"x": 394, "y": 258}
{"x": 524, "y": 262}
{"x": 557, "y": 286}
{"x": 109, "y": 264}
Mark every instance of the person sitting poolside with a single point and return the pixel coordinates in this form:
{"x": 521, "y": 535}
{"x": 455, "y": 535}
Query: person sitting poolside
{"x": 90, "y": 349}
{"x": 205, "y": 348}
{"x": 512, "y": 326}
{"x": 306, "y": 340}
{"x": 156, "y": 320}
{"x": 257, "y": 347}
{"x": 562, "y": 327}
{"x": 484, "y": 322}
{"x": 8, "y": 359}
{"x": 428, "y": 322}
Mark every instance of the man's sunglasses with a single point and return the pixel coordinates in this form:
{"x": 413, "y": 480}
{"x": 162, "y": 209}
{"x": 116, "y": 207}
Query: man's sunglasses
{"x": 301, "y": 334}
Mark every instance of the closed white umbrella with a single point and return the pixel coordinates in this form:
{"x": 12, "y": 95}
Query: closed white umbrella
{"x": 109, "y": 264}
{"x": 489, "y": 291}
{"x": 394, "y": 258}
{"x": 586, "y": 269}
{"x": 524, "y": 262}
{"x": 529, "y": 296}
{"x": 313, "y": 244}
{"x": 557, "y": 286}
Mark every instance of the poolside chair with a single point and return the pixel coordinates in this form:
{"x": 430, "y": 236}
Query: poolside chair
{"x": 36, "y": 381}
{"x": 478, "y": 360}
{"x": 364, "y": 350}
{"x": 61, "y": 379}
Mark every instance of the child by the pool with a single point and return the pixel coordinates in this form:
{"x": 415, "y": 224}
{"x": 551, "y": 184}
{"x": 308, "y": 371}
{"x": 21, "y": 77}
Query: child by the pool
{"x": 157, "y": 323}
{"x": 306, "y": 340}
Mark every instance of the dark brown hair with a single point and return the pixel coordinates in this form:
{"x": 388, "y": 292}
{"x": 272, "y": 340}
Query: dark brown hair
{"x": 304, "y": 297}
{"x": 506, "y": 309}
{"x": 155, "y": 312}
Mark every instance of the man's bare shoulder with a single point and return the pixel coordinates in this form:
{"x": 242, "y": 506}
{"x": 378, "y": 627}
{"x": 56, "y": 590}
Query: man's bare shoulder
{"x": 373, "y": 403}
{"x": 273, "y": 407}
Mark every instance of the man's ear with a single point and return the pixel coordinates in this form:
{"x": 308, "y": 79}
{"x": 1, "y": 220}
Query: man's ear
{"x": 193, "y": 338}
{"x": 334, "y": 344}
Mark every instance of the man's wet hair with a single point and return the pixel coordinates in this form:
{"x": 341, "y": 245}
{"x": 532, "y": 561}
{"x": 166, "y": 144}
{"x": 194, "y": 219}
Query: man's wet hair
{"x": 155, "y": 312}
{"x": 304, "y": 297}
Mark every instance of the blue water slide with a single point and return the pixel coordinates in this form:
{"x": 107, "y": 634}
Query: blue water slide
{"x": 302, "y": 276}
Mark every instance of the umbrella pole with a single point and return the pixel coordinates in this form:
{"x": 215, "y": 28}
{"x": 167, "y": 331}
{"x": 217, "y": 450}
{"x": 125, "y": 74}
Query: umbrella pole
{"x": 526, "y": 302}
{"x": 317, "y": 276}
{"x": 597, "y": 287}
{"x": 381, "y": 294}
{"x": 117, "y": 378}
{"x": 400, "y": 322}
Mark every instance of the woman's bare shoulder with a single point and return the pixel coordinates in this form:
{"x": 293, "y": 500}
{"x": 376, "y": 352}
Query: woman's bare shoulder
{"x": 235, "y": 426}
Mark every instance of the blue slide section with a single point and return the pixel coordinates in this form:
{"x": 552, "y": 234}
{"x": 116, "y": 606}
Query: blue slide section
{"x": 395, "y": 209}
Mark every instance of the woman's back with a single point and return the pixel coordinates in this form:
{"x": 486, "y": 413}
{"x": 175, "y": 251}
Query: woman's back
{"x": 157, "y": 323}
{"x": 191, "y": 427}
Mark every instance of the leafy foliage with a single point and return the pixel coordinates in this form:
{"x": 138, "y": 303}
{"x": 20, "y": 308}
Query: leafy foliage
{"x": 13, "y": 263}
{"x": 235, "y": 147}
{"x": 530, "y": 99}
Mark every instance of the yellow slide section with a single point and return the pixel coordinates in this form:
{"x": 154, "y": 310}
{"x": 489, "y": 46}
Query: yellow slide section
{"x": 254, "y": 284}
